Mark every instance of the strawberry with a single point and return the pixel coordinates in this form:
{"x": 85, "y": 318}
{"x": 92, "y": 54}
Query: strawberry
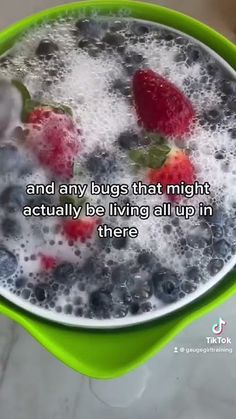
{"x": 176, "y": 168}
{"x": 47, "y": 262}
{"x": 39, "y": 115}
{"x": 81, "y": 230}
{"x": 54, "y": 139}
{"x": 161, "y": 107}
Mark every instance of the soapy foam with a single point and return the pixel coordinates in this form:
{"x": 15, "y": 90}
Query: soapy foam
{"x": 85, "y": 83}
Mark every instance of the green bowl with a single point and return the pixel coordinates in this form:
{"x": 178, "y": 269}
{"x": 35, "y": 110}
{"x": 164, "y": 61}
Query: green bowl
{"x": 106, "y": 354}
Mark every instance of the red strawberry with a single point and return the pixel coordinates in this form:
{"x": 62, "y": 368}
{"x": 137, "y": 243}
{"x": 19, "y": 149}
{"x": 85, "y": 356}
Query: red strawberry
{"x": 47, "y": 262}
{"x": 177, "y": 168}
{"x": 161, "y": 107}
{"x": 82, "y": 229}
{"x": 39, "y": 115}
{"x": 54, "y": 139}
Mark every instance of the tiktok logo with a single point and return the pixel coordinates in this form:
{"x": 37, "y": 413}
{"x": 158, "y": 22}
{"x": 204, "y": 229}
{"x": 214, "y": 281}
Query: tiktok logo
{"x": 218, "y": 328}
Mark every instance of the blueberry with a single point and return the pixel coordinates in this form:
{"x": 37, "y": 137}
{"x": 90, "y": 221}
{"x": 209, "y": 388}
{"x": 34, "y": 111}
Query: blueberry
{"x": 167, "y": 229}
{"x": 100, "y": 302}
{"x": 221, "y": 248}
{"x": 228, "y": 87}
{"x": 140, "y": 29}
{"x": 134, "y": 308}
{"x": 92, "y": 46}
{"x": 118, "y": 25}
{"x": 130, "y": 139}
{"x": 200, "y": 236}
{"x": 119, "y": 242}
{"x": 20, "y": 282}
{"x": 217, "y": 231}
{"x": 11, "y": 228}
{"x": 214, "y": 266}
{"x": 8, "y": 158}
{"x": 46, "y": 49}
{"x": 188, "y": 287}
{"x": 166, "y": 285}
{"x": 43, "y": 292}
{"x": 113, "y": 39}
{"x": 133, "y": 61}
{"x": 8, "y": 263}
{"x": 219, "y": 155}
{"x": 123, "y": 87}
{"x": 232, "y": 105}
{"x": 119, "y": 311}
{"x": 213, "y": 116}
{"x": 26, "y": 293}
{"x": 13, "y": 198}
{"x": 88, "y": 27}
{"x": 217, "y": 218}
{"x": 68, "y": 309}
{"x": 65, "y": 273}
{"x": 194, "y": 54}
{"x": 147, "y": 261}
{"x": 213, "y": 69}
{"x": 78, "y": 312}
{"x": 100, "y": 164}
{"x": 145, "y": 307}
{"x": 193, "y": 274}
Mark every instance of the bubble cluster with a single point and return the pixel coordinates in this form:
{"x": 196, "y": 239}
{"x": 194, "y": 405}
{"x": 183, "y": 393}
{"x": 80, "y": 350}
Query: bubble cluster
{"x": 88, "y": 64}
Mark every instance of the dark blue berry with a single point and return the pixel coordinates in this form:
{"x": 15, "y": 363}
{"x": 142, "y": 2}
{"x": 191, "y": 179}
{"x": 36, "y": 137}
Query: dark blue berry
{"x": 78, "y": 312}
{"x": 194, "y": 54}
{"x": 129, "y": 140}
{"x": 20, "y": 282}
{"x": 188, "y": 287}
{"x": 193, "y": 274}
{"x": 119, "y": 242}
{"x": 9, "y": 158}
{"x": 26, "y": 293}
{"x": 213, "y": 116}
{"x": 46, "y": 49}
{"x": 11, "y": 228}
{"x": 119, "y": 311}
{"x": 214, "y": 266}
{"x": 134, "y": 308}
{"x": 65, "y": 273}
{"x": 119, "y": 273}
{"x": 100, "y": 302}
{"x": 8, "y": 263}
{"x": 217, "y": 231}
{"x": 122, "y": 86}
{"x": 221, "y": 248}
{"x": 88, "y": 27}
{"x": 140, "y": 29}
{"x": 100, "y": 164}
{"x": 166, "y": 285}
{"x": 13, "y": 198}
{"x": 43, "y": 292}
{"x": 92, "y": 46}
{"x": 113, "y": 39}
{"x": 68, "y": 309}
{"x": 228, "y": 87}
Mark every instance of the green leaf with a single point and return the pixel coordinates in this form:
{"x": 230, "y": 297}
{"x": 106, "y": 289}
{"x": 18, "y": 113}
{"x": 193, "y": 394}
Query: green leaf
{"x": 72, "y": 199}
{"x": 156, "y": 139}
{"x": 30, "y": 105}
{"x": 153, "y": 158}
{"x": 22, "y": 89}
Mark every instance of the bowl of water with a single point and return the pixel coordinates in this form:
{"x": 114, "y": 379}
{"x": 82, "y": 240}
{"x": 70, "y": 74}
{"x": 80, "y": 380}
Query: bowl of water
{"x": 105, "y": 106}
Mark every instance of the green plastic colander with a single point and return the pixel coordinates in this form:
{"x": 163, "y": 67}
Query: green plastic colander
{"x": 106, "y": 354}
